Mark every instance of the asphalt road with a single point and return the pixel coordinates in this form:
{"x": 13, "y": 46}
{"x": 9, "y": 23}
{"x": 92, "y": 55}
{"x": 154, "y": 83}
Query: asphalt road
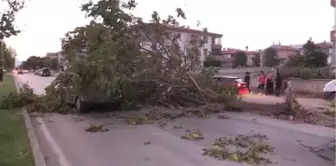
{"x": 65, "y": 142}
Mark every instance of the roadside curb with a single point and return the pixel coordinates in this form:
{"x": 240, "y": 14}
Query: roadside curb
{"x": 37, "y": 153}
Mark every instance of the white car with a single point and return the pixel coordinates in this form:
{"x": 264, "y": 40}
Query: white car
{"x": 329, "y": 90}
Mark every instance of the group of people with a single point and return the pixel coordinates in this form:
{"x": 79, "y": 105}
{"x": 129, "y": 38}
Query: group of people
{"x": 271, "y": 83}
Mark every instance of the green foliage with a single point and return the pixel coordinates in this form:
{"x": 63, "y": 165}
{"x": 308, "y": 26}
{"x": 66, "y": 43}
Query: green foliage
{"x": 18, "y": 99}
{"x": 35, "y": 62}
{"x": 312, "y": 57}
{"x": 211, "y": 62}
{"x": 271, "y": 58}
{"x": 240, "y": 59}
{"x": 109, "y": 61}
{"x": 243, "y": 149}
{"x": 296, "y": 61}
{"x": 8, "y": 16}
{"x": 9, "y": 55}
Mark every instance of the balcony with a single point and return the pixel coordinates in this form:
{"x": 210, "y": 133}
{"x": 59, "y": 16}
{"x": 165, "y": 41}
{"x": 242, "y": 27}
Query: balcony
{"x": 216, "y": 46}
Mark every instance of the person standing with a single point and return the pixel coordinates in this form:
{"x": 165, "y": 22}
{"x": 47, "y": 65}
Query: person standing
{"x": 278, "y": 83}
{"x": 1, "y": 74}
{"x": 247, "y": 80}
{"x": 261, "y": 80}
{"x": 269, "y": 87}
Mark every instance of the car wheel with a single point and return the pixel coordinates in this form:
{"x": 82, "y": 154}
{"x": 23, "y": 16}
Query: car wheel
{"x": 80, "y": 106}
{"x": 332, "y": 96}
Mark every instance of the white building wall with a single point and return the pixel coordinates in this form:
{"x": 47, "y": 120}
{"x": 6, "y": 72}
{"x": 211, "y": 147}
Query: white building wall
{"x": 184, "y": 44}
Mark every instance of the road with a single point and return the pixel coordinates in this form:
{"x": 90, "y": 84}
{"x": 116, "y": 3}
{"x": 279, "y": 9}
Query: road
{"x": 65, "y": 142}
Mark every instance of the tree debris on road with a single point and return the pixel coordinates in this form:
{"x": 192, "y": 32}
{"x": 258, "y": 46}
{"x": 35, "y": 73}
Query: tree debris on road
{"x": 248, "y": 149}
{"x": 193, "y": 135}
{"x": 96, "y": 128}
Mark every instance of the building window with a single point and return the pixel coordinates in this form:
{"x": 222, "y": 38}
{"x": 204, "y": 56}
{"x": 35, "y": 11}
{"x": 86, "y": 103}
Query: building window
{"x": 153, "y": 46}
{"x": 205, "y": 39}
{"x": 178, "y": 35}
{"x": 205, "y": 51}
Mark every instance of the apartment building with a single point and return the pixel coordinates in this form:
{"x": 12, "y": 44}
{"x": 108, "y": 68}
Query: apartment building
{"x": 284, "y": 51}
{"x": 227, "y": 56}
{"x": 210, "y": 45}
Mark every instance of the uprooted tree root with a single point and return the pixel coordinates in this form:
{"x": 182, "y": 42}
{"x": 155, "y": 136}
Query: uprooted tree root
{"x": 242, "y": 149}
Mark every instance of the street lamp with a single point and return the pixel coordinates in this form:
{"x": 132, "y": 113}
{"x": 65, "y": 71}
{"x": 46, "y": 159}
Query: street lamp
{"x": 333, "y": 39}
{"x": 2, "y": 55}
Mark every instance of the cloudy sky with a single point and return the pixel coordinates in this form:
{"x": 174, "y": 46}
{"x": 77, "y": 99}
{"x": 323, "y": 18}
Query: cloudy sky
{"x": 253, "y": 23}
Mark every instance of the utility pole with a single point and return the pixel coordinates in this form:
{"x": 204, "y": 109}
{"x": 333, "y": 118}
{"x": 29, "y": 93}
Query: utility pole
{"x": 333, "y": 39}
{"x": 2, "y": 55}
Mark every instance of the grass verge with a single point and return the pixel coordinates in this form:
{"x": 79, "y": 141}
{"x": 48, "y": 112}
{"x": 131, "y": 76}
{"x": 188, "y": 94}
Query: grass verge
{"x": 14, "y": 143}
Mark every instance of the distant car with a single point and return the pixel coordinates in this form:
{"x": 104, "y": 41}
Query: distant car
{"x": 82, "y": 103}
{"x": 44, "y": 72}
{"x": 234, "y": 82}
{"x": 329, "y": 90}
{"x": 20, "y": 72}
{"x": 36, "y": 72}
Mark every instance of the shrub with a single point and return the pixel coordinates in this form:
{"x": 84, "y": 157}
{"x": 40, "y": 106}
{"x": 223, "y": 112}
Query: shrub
{"x": 212, "y": 63}
{"x": 307, "y": 73}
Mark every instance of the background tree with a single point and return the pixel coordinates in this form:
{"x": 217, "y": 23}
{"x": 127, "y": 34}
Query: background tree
{"x": 297, "y": 60}
{"x": 8, "y": 11}
{"x": 211, "y": 62}
{"x": 256, "y": 60}
{"x": 314, "y": 57}
{"x": 271, "y": 57}
{"x": 33, "y": 62}
{"x": 240, "y": 59}
{"x": 9, "y": 55}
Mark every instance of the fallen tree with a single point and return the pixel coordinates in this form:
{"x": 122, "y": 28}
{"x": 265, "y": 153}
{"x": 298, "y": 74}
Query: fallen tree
{"x": 109, "y": 59}
{"x": 119, "y": 57}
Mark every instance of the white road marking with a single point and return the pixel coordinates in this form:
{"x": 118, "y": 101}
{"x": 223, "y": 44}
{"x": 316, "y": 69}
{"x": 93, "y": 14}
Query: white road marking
{"x": 57, "y": 149}
{"x": 51, "y": 141}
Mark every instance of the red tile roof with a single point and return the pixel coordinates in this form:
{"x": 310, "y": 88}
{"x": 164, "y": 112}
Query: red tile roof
{"x": 324, "y": 45}
{"x": 284, "y": 48}
{"x": 234, "y": 51}
{"x": 184, "y": 29}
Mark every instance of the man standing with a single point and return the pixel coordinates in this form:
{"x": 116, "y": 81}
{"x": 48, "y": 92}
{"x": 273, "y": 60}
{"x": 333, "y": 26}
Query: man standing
{"x": 247, "y": 79}
{"x": 278, "y": 83}
{"x": 1, "y": 74}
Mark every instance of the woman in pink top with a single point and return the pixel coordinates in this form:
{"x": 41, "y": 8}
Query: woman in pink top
{"x": 261, "y": 80}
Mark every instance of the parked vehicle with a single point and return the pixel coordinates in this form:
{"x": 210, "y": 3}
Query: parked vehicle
{"x": 44, "y": 72}
{"x": 234, "y": 82}
{"x": 36, "y": 72}
{"x": 329, "y": 90}
{"x": 82, "y": 102}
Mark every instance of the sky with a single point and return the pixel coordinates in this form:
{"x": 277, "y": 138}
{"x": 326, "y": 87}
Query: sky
{"x": 253, "y": 23}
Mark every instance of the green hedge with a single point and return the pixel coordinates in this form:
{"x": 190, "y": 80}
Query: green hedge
{"x": 307, "y": 73}
{"x": 212, "y": 63}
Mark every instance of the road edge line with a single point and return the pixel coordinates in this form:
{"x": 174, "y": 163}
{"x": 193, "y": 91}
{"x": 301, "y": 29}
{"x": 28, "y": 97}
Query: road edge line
{"x": 34, "y": 145}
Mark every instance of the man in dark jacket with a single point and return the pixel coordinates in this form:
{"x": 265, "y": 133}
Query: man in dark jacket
{"x": 278, "y": 83}
{"x": 1, "y": 74}
{"x": 247, "y": 79}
